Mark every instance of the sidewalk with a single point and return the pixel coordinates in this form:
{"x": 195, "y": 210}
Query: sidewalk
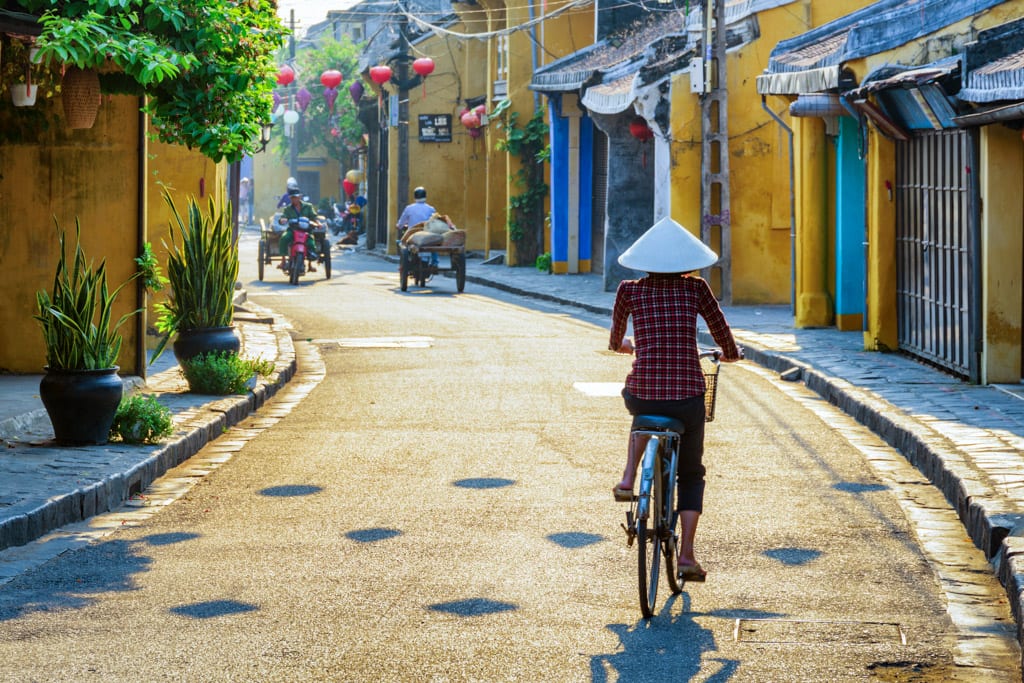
{"x": 968, "y": 440}
{"x": 44, "y": 487}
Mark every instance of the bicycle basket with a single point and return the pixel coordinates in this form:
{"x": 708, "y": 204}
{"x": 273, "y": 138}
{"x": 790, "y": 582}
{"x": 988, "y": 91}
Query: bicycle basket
{"x": 710, "y": 369}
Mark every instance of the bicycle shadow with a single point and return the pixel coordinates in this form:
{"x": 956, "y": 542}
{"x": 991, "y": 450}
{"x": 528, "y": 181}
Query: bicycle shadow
{"x": 670, "y": 646}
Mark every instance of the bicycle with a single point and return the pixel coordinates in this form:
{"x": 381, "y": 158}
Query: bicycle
{"x": 652, "y": 518}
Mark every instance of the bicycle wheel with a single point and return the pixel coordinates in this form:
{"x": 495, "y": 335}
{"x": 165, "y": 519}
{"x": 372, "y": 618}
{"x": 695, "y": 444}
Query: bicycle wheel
{"x": 649, "y": 544}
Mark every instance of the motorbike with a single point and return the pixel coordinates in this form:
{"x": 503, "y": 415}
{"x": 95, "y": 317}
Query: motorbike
{"x": 298, "y": 262}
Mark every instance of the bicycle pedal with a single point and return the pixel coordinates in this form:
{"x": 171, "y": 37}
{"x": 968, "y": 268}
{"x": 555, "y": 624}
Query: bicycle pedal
{"x": 630, "y": 535}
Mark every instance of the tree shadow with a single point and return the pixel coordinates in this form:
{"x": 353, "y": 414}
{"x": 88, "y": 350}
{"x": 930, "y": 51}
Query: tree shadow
{"x": 473, "y": 607}
{"x": 483, "y": 483}
{"x": 793, "y": 556}
{"x": 213, "y": 608}
{"x": 74, "y": 583}
{"x": 372, "y": 535}
{"x": 290, "y": 490}
{"x": 574, "y": 539}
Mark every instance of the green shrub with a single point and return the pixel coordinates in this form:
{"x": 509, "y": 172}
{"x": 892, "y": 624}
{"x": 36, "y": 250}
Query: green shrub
{"x": 543, "y": 263}
{"x": 220, "y": 373}
{"x": 141, "y": 419}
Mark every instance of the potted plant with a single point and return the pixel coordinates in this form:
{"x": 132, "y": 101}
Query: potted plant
{"x": 202, "y": 267}
{"x": 80, "y": 389}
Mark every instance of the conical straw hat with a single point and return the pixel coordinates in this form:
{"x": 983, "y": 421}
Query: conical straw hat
{"x": 667, "y": 247}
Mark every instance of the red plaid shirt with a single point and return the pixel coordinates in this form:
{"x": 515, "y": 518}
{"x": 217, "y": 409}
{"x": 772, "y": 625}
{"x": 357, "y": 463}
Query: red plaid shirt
{"x": 664, "y": 311}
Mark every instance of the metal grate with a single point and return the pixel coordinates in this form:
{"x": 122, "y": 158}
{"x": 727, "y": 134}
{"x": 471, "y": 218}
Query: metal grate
{"x": 934, "y": 219}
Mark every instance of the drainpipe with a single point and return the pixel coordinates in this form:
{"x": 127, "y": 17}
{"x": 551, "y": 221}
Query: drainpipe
{"x": 792, "y": 206}
{"x": 533, "y": 53}
{"x": 141, "y": 360}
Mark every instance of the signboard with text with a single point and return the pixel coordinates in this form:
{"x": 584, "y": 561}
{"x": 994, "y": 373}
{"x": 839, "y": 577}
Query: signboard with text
{"x": 435, "y": 127}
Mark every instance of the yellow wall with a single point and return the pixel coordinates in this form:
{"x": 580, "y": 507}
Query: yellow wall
{"x": 66, "y": 174}
{"x": 1002, "y": 162}
{"x": 758, "y": 163}
{"x": 881, "y": 331}
{"x": 183, "y": 174}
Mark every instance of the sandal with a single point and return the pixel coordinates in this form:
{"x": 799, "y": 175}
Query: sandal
{"x": 622, "y": 495}
{"x": 692, "y": 572}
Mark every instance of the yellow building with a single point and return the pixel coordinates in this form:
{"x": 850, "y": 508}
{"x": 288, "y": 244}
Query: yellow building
{"x": 883, "y": 123}
{"x": 109, "y": 178}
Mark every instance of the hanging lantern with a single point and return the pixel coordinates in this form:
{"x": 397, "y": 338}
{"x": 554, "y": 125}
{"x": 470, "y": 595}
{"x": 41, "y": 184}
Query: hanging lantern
{"x": 330, "y": 78}
{"x": 639, "y": 129}
{"x": 380, "y": 74}
{"x": 277, "y": 100}
{"x": 470, "y": 119}
{"x": 354, "y": 176}
{"x": 330, "y": 95}
{"x": 475, "y": 133}
{"x": 349, "y": 187}
{"x": 285, "y": 75}
{"x": 424, "y": 66}
{"x": 355, "y": 91}
{"x": 303, "y": 98}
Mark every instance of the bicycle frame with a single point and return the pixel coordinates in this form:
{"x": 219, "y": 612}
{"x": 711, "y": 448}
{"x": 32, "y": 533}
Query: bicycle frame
{"x": 650, "y": 463}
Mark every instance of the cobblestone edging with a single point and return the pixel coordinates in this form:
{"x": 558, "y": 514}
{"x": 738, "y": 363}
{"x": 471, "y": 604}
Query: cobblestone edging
{"x": 989, "y": 520}
{"x": 195, "y": 426}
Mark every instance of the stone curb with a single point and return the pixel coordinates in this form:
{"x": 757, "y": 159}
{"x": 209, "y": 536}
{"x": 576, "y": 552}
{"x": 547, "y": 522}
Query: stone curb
{"x": 208, "y": 422}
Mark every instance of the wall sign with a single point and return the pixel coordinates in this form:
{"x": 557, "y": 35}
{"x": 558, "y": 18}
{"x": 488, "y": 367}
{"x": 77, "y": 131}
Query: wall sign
{"x": 435, "y": 127}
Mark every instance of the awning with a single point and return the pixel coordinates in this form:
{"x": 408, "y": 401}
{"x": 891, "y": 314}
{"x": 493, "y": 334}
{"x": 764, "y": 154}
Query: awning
{"x": 799, "y": 82}
{"x": 905, "y": 76}
{"x": 610, "y": 98}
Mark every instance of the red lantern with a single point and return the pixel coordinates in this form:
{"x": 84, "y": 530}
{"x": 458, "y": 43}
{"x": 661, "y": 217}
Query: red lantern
{"x": 285, "y": 75}
{"x": 330, "y": 78}
{"x": 424, "y": 66}
{"x": 639, "y": 129}
{"x": 380, "y": 74}
{"x": 349, "y": 187}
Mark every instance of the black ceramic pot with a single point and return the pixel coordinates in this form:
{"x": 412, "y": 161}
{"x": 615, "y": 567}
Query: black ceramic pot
{"x": 190, "y": 343}
{"x": 81, "y": 404}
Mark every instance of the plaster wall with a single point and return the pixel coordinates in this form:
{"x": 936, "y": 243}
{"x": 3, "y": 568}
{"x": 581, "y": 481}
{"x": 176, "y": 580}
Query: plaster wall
{"x": 1002, "y": 244}
{"x": 632, "y": 212}
{"x": 182, "y": 174}
{"x": 759, "y": 157}
{"x": 453, "y": 173}
{"x": 64, "y": 174}
{"x": 881, "y": 330}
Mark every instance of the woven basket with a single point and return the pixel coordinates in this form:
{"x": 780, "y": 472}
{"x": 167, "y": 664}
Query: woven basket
{"x": 80, "y": 92}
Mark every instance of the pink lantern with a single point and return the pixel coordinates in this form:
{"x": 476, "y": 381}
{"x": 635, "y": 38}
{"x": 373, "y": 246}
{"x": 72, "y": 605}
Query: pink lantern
{"x": 285, "y": 75}
{"x": 475, "y": 132}
{"x": 330, "y": 78}
{"x": 330, "y": 94}
{"x": 303, "y": 98}
{"x": 470, "y": 119}
{"x": 380, "y": 74}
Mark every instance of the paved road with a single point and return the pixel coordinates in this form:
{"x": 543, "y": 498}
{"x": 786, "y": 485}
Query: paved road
{"x": 428, "y": 500}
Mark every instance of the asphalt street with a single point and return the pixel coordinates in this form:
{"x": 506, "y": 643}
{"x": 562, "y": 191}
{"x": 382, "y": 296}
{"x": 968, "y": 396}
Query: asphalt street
{"x": 428, "y": 500}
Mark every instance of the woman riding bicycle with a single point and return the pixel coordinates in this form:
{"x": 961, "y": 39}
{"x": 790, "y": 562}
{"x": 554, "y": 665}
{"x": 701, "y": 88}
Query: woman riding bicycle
{"x": 666, "y": 378}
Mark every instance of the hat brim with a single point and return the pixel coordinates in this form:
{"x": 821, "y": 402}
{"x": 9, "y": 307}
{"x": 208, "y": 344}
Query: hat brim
{"x": 667, "y": 247}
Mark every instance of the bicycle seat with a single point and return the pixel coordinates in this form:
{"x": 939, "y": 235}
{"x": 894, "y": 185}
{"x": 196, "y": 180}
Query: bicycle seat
{"x": 658, "y": 423}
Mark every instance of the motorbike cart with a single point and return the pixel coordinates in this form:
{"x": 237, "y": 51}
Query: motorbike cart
{"x": 270, "y": 244}
{"x": 415, "y": 256}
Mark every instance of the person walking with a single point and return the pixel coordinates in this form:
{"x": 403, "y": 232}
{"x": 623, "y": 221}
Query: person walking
{"x": 666, "y": 377}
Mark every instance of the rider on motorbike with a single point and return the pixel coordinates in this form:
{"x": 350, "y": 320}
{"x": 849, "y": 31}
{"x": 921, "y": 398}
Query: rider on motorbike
{"x": 297, "y": 208}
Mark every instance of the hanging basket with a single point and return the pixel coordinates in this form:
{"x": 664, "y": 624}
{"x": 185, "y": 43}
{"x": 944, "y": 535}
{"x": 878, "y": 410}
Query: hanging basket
{"x": 80, "y": 92}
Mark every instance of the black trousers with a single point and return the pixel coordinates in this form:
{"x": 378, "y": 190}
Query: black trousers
{"x": 690, "y": 471}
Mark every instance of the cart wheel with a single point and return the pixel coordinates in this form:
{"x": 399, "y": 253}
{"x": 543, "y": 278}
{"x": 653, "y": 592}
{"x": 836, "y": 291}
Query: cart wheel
{"x": 460, "y": 272}
{"x": 325, "y": 256}
{"x": 421, "y": 278}
{"x": 298, "y": 265}
{"x": 263, "y": 254}
{"x": 403, "y": 272}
